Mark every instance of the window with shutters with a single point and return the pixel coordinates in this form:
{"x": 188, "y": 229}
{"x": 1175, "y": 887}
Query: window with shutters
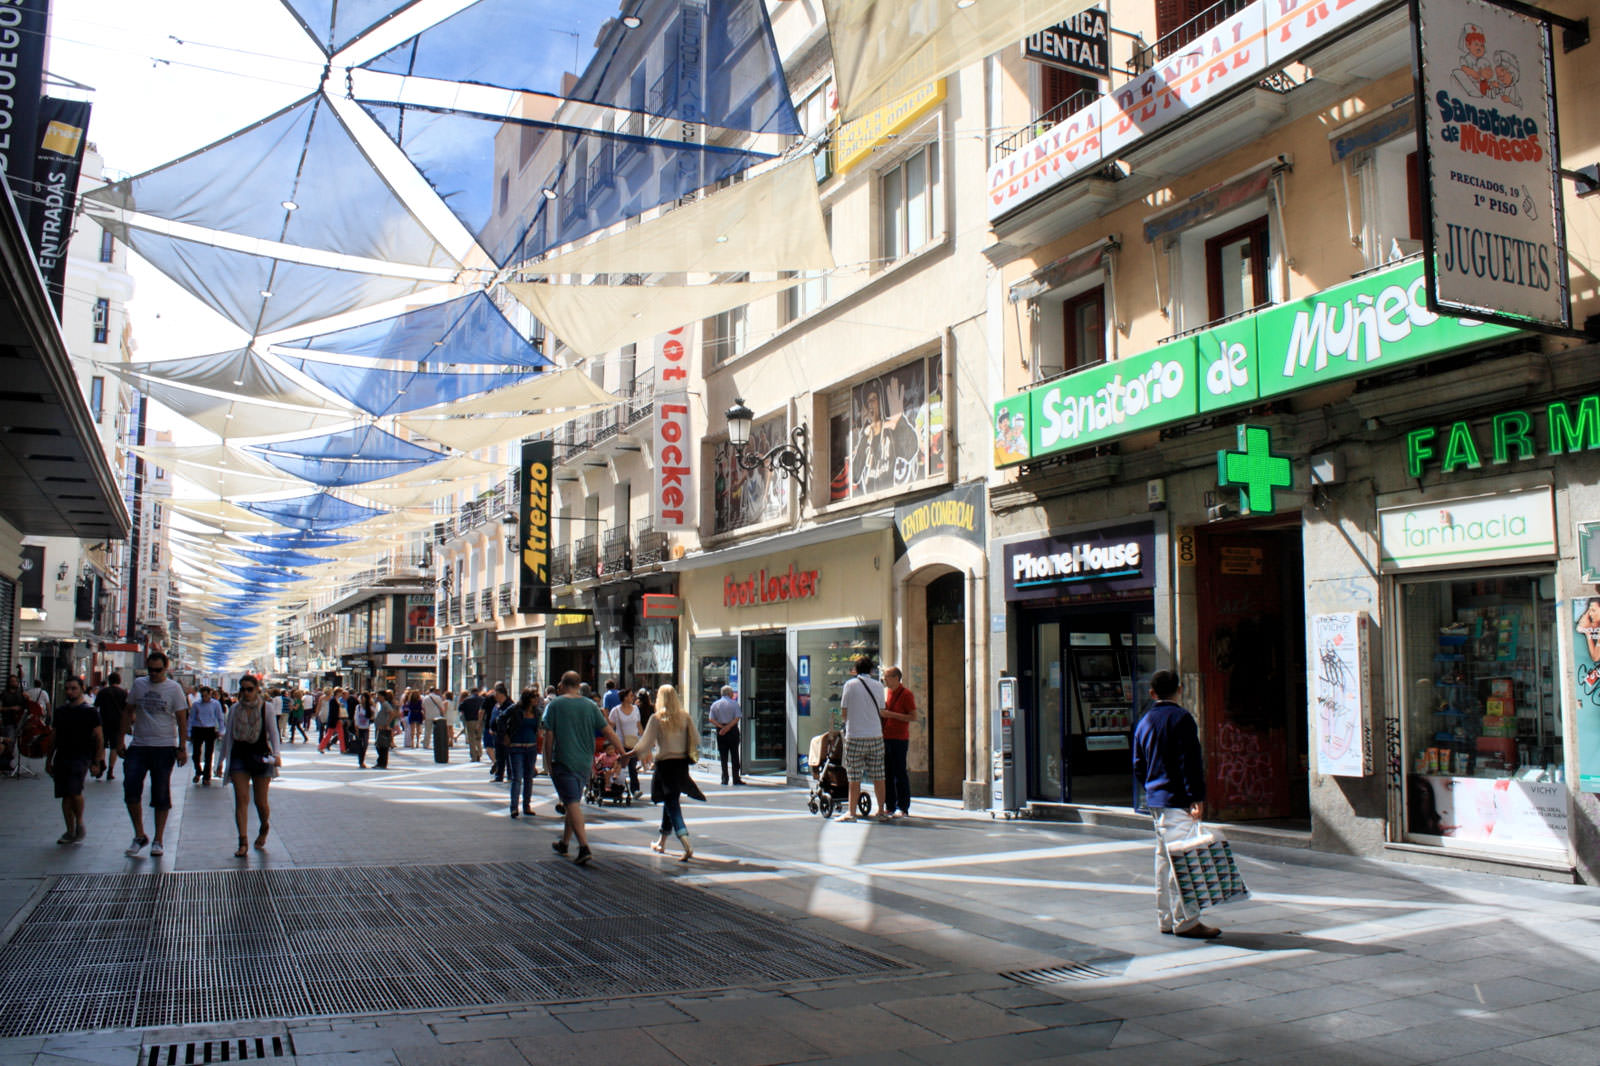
{"x": 1180, "y": 21}
{"x": 1236, "y": 269}
{"x": 1063, "y": 92}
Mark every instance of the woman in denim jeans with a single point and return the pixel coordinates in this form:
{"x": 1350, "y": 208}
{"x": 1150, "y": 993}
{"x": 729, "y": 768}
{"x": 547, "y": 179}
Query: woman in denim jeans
{"x": 672, "y": 735}
{"x": 522, "y": 748}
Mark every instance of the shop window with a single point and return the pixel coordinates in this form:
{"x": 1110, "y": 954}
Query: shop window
{"x": 887, "y": 432}
{"x": 824, "y": 661}
{"x": 750, "y": 497}
{"x": 1481, "y": 723}
{"x": 912, "y": 213}
{"x": 1236, "y": 269}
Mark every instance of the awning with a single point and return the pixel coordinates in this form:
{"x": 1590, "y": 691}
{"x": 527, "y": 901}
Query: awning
{"x": 784, "y": 542}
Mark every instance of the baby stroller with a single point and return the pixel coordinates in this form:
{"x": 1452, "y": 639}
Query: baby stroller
{"x": 829, "y": 787}
{"x": 597, "y": 792}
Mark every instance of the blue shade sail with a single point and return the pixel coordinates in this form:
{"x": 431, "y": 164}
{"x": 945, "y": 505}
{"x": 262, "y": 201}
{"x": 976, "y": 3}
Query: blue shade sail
{"x": 333, "y": 473}
{"x": 334, "y": 24}
{"x": 310, "y": 512}
{"x": 385, "y": 392}
{"x": 260, "y": 575}
{"x": 303, "y": 539}
{"x": 468, "y": 329}
{"x": 282, "y": 557}
{"x": 303, "y": 156}
{"x": 231, "y": 282}
{"x": 597, "y": 179}
{"x": 361, "y": 442}
{"x": 714, "y": 65}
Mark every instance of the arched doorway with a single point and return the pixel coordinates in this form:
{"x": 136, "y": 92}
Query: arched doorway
{"x": 946, "y": 606}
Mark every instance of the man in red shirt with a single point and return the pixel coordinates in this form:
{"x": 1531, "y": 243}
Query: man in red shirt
{"x": 899, "y": 711}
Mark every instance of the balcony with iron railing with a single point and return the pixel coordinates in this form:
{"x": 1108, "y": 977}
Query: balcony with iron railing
{"x": 649, "y": 543}
{"x": 469, "y": 609}
{"x": 453, "y": 611}
{"x": 616, "y": 551}
{"x": 1045, "y": 122}
{"x": 560, "y": 564}
{"x": 486, "y": 605}
{"x": 504, "y": 600}
{"x": 1145, "y": 58}
{"x": 586, "y": 558}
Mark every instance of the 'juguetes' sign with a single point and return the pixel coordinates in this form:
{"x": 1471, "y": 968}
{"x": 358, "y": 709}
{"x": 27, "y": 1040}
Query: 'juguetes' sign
{"x": 1366, "y": 326}
{"x": 1495, "y": 241}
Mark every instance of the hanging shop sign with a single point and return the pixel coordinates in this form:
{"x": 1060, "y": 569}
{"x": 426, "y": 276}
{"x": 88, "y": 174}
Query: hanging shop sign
{"x": 1342, "y": 691}
{"x": 1366, "y": 326}
{"x": 57, "y": 159}
{"x": 673, "y": 499}
{"x": 854, "y": 141}
{"x": 1586, "y": 657}
{"x": 1468, "y": 532}
{"x": 1564, "y": 428}
{"x": 767, "y": 587}
{"x": 533, "y": 527}
{"x": 1223, "y": 60}
{"x": 1081, "y": 43}
{"x": 1090, "y": 563}
{"x": 414, "y": 659}
{"x": 24, "y": 28}
{"x": 1494, "y": 236}
{"x": 962, "y": 512}
{"x": 1255, "y": 470}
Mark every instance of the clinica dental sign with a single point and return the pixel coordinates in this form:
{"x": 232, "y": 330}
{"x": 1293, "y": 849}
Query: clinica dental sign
{"x": 1495, "y": 240}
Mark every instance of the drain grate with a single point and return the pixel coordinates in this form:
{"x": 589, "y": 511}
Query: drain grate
{"x": 234, "y": 1049}
{"x": 1056, "y": 975}
{"x": 184, "y": 949}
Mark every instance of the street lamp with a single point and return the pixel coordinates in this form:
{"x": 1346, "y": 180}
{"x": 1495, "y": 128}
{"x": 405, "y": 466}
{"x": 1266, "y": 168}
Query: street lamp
{"x": 791, "y": 458}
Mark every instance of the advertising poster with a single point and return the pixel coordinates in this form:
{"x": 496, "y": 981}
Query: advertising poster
{"x": 419, "y": 619}
{"x": 57, "y": 161}
{"x": 1586, "y": 658}
{"x": 1341, "y": 691}
{"x": 533, "y": 527}
{"x": 750, "y": 497}
{"x": 1495, "y": 241}
{"x": 1485, "y": 810}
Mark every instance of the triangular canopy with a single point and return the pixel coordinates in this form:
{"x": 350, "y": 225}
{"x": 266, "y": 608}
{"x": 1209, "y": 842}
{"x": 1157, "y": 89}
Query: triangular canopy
{"x": 228, "y": 483}
{"x": 471, "y": 432}
{"x": 772, "y": 221}
{"x": 296, "y": 177}
{"x": 594, "y": 319}
{"x": 230, "y": 416}
{"x": 527, "y": 47}
{"x": 334, "y": 24}
{"x": 263, "y": 574}
{"x": 467, "y": 330}
{"x": 240, "y": 371}
{"x": 320, "y": 510}
{"x": 301, "y": 539}
{"x": 413, "y": 495}
{"x": 556, "y": 390}
{"x": 283, "y": 557}
{"x": 367, "y": 443}
{"x": 382, "y": 392}
{"x": 221, "y": 456}
{"x": 261, "y": 293}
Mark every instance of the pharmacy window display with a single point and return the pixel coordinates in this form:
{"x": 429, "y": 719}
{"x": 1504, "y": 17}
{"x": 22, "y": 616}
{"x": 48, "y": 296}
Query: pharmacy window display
{"x": 1481, "y": 718}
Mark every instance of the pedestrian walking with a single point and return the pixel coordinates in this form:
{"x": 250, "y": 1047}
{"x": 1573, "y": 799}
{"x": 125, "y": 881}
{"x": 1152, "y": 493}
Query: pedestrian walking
{"x": 111, "y": 701}
{"x": 415, "y": 714}
{"x": 471, "y": 710}
{"x": 1168, "y": 761}
{"x": 862, "y": 700}
{"x": 277, "y": 709}
{"x": 335, "y": 723}
{"x": 383, "y": 724}
{"x": 502, "y": 703}
{"x": 570, "y": 725}
{"x": 521, "y": 737}
{"x": 250, "y": 752}
{"x": 671, "y": 736}
{"x": 624, "y": 718}
{"x": 205, "y": 719}
{"x": 899, "y": 711}
{"x": 612, "y": 697}
{"x": 157, "y": 717}
{"x": 363, "y": 724}
{"x": 725, "y": 714}
{"x": 297, "y": 716}
{"x": 79, "y": 746}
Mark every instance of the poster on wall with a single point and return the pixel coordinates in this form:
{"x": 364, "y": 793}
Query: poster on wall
{"x": 750, "y": 497}
{"x": 1342, "y": 693}
{"x": 1494, "y": 238}
{"x": 1502, "y": 811}
{"x": 892, "y": 435}
{"x": 1586, "y": 657}
{"x": 419, "y": 619}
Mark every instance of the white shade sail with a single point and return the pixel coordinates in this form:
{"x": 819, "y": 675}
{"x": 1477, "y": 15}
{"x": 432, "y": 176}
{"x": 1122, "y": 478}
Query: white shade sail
{"x": 221, "y": 456}
{"x": 480, "y": 431}
{"x": 554, "y": 391}
{"x": 594, "y": 319}
{"x": 413, "y": 495}
{"x": 772, "y": 221}
{"x": 232, "y": 416}
{"x": 220, "y": 513}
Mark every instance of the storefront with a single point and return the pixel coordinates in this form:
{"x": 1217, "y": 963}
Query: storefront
{"x": 784, "y": 628}
{"x": 570, "y": 642}
{"x": 400, "y": 670}
{"x": 1081, "y": 609}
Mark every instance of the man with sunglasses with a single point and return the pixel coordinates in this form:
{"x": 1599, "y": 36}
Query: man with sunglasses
{"x": 157, "y": 715}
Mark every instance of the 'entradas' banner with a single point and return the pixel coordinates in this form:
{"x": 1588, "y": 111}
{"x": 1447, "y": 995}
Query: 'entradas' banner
{"x": 23, "y": 24}
{"x": 1366, "y": 326}
{"x": 62, "y": 128}
{"x": 1496, "y": 241}
{"x": 533, "y": 527}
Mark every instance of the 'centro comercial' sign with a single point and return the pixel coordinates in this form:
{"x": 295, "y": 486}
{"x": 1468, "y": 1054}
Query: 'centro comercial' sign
{"x": 1366, "y": 326}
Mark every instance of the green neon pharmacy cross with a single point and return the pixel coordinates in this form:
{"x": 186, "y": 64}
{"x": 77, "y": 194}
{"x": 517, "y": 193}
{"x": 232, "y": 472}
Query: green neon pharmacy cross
{"x": 1254, "y": 470}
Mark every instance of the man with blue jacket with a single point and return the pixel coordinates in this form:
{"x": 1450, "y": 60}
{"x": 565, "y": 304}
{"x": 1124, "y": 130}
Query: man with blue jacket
{"x": 1168, "y": 761}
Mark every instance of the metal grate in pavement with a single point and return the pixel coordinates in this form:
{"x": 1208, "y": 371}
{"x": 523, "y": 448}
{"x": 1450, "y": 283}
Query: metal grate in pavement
{"x": 1055, "y": 975}
{"x": 181, "y": 949}
{"x": 233, "y": 1049}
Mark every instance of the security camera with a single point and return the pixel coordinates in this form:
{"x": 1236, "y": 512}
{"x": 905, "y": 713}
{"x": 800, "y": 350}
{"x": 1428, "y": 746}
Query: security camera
{"x": 1221, "y": 512}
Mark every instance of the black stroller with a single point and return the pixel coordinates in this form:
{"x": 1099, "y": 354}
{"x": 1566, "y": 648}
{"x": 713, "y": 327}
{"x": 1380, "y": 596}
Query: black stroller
{"x": 830, "y": 789}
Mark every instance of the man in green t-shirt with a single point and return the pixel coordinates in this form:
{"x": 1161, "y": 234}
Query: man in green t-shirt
{"x": 567, "y": 734}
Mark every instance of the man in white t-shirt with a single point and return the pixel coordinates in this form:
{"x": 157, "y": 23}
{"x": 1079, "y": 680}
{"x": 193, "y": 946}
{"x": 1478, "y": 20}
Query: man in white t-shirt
{"x": 862, "y": 701}
{"x": 157, "y": 715}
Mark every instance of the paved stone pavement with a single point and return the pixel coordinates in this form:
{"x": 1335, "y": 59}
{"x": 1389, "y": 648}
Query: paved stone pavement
{"x": 1333, "y": 960}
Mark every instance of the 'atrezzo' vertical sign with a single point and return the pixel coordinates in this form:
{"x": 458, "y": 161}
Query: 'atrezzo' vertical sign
{"x": 533, "y": 527}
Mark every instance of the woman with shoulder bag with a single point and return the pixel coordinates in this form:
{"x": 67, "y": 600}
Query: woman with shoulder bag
{"x": 383, "y": 724}
{"x": 671, "y": 733}
{"x": 249, "y": 750}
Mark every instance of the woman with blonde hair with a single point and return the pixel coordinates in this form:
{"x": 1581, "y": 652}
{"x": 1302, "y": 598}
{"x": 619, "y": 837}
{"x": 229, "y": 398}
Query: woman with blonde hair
{"x": 249, "y": 751}
{"x": 671, "y": 733}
